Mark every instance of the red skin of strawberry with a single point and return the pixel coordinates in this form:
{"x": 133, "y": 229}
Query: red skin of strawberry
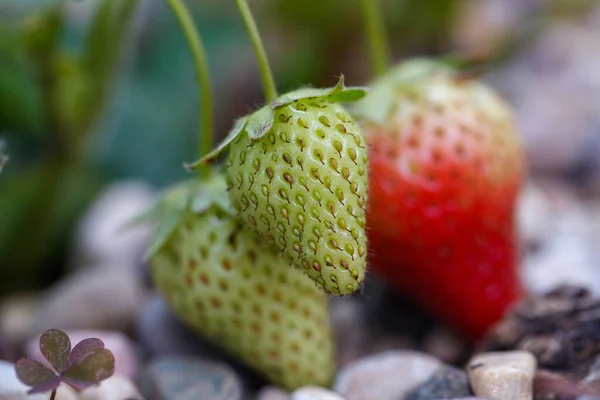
{"x": 441, "y": 214}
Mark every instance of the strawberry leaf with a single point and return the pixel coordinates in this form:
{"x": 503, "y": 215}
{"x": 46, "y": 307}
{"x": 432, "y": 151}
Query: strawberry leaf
{"x": 55, "y": 345}
{"x": 339, "y": 93}
{"x": 34, "y": 373}
{"x": 211, "y": 157}
{"x": 92, "y": 367}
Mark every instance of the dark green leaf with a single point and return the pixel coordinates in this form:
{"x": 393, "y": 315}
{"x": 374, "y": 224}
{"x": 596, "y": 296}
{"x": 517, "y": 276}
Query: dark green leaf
{"x": 55, "y": 346}
{"x": 33, "y": 373}
{"x": 95, "y": 366}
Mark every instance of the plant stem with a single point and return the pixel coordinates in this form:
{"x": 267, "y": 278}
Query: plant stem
{"x": 375, "y": 30}
{"x": 192, "y": 36}
{"x": 263, "y": 62}
{"x": 53, "y": 394}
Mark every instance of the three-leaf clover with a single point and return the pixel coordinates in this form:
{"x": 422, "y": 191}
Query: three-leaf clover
{"x": 87, "y": 364}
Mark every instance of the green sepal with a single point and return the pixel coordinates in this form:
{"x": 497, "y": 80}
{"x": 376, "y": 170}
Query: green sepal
{"x": 179, "y": 202}
{"x": 337, "y": 94}
{"x": 260, "y": 123}
{"x": 257, "y": 124}
{"x": 403, "y": 79}
{"x": 211, "y": 157}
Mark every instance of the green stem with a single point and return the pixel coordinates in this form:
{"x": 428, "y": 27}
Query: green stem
{"x": 192, "y": 36}
{"x": 378, "y": 45}
{"x": 53, "y": 395}
{"x": 259, "y": 50}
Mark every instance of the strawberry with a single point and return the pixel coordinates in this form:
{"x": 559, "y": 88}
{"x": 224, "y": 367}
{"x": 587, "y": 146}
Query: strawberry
{"x": 297, "y": 176}
{"x": 446, "y": 166}
{"x": 222, "y": 282}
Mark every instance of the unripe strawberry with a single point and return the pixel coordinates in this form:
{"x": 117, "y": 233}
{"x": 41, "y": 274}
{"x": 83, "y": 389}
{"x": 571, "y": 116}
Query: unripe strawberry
{"x": 222, "y": 282}
{"x": 297, "y": 175}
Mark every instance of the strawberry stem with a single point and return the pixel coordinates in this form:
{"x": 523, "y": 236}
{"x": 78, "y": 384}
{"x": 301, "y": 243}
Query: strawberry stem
{"x": 193, "y": 38}
{"x": 379, "y": 53}
{"x": 261, "y": 55}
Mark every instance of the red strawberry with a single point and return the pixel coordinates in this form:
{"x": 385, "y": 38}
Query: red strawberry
{"x": 445, "y": 169}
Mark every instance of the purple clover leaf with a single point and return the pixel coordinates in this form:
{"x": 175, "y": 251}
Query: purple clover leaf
{"x": 87, "y": 364}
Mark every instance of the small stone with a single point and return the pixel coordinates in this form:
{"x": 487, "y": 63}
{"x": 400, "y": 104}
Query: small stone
{"x": 17, "y": 316}
{"x": 446, "y": 346}
{"x": 103, "y": 237}
{"x": 119, "y": 344}
{"x": 349, "y": 328}
{"x": 179, "y": 378}
{"x": 534, "y": 215}
{"x": 315, "y": 393}
{"x": 91, "y": 298}
{"x": 113, "y": 388}
{"x": 272, "y": 393}
{"x": 503, "y": 375}
{"x": 448, "y": 382}
{"x": 376, "y": 376}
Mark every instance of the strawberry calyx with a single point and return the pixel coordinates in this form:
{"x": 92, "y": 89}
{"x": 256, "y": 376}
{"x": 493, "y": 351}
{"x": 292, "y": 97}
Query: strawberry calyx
{"x": 180, "y": 201}
{"x": 259, "y": 123}
{"x": 403, "y": 78}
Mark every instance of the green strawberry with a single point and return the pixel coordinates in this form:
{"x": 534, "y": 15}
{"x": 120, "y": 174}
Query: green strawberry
{"x": 297, "y": 175}
{"x": 219, "y": 279}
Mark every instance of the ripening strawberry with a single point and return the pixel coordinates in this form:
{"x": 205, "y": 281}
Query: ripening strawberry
{"x": 223, "y": 283}
{"x": 446, "y": 166}
{"x": 297, "y": 175}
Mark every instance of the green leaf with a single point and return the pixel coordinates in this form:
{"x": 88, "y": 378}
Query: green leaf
{"x": 55, "y": 346}
{"x": 240, "y": 124}
{"x": 95, "y": 366}
{"x": 33, "y": 373}
{"x": 260, "y": 122}
{"x": 339, "y": 93}
{"x": 167, "y": 222}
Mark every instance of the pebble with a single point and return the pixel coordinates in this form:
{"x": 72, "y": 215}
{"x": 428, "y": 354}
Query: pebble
{"x": 101, "y": 238}
{"x": 117, "y": 387}
{"x": 534, "y": 215}
{"x": 17, "y": 316}
{"x": 179, "y": 378}
{"x": 272, "y": 393}
{"x": 446, "y": 346}
{"x": 503, "y": 375}
{"x": 376, "y": 376}
{"x": 448, "y": 382}
{"x": 162, "y": 334}
{"x": 349, "y": 327}
{"x": 120, "y": 345}
{"x": 315, "y": 393}
{"x": 91, "y": 298}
